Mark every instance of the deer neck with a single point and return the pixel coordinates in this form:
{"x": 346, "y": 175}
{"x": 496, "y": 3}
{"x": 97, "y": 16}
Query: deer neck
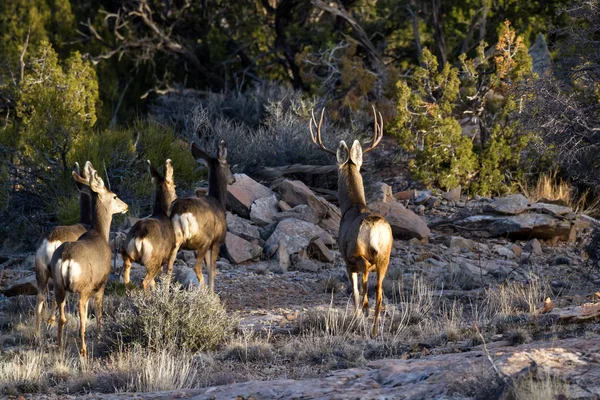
{"x": 351, "y": 192}
{"x": 85, "y": 209}
{"x": 217, "y": 186}
{"x": 101, "y": 217}
{"x": 161, "y": 202}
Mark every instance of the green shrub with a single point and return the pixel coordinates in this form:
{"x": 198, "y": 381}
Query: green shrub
{"x": 187, "y": 319}
{"x": 67, "y": 209}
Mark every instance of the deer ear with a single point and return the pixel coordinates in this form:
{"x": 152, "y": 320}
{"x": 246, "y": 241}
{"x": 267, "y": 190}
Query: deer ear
{"x": 156, "y": 177}
{"x": 88, "y": 168}
{"x": 356, "y": 154}
{"x": 81, "y": 182}
{"x": 96, "y": 183}
{"x": 342, "y": 153}
{"x": 169, "y": 170}
{"x": 222, "y": 151}
{"x": 199, "y": 154}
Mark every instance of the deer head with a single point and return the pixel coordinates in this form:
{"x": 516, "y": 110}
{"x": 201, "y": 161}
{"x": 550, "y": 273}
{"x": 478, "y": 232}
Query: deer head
{"x": 104, "y": 197}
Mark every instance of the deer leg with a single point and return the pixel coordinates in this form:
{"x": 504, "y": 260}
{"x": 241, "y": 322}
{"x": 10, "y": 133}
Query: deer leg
{"x": 60, "y": 296}
{"x": 42, "y": 284}
{"x": 355, "y": 295}
{"x": 126, "y": 268}
{"x": 365, "y": 296}
{"x": 381, "y": 270}
{"x": 152, "y": 269}
{"x": 98, "y": 298}
{"x": 210, "y": 259}
{"x": 83, "y": 312}
{"x": 201, "y": 254}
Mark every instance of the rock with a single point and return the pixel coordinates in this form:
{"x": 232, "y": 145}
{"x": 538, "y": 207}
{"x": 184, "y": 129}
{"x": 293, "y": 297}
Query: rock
{"x": 502, "y": 251}
{"x": 379, "y": 191}
{"x": 421, "y": 197}
{"x": 457, "y": 242}
{"x": 240, "y": 250}
{"x": 185, "y": 275}
{"x": 187, "y": 256}
{"x": 453, "y": 195}
{"x": 405, "y": 195}
{"x": 432, "y": 202}
{"x": 540, "y": 55}
{"x": 306, "y": 266}
{"x": 511, "y": 205}
{"x": 552, "y": 209}
{"x": 24, "y": 286}
{"x": 534, "y": 247}
{"x": 284, "y": 206}
{"x": 243, "y": 228}
{"x": 405, "y": 223}
{"x": 263, "y": 210}
{"x": 301, "y": 212}
{"x": 583, "y": 313}
{"x": 296, "y": 192}
{"x": 282, "y": 256}
{"x": 523, "y": 226}
{"x": 331, "y": 225}
{"x": 297, "y": 234}
{"x": 516, "y": 249}
{"x": 317, "y": 250}
{"x": 244, "y": 192}
{"x": 420, "y": 209}
{"x": 561, "y": 260}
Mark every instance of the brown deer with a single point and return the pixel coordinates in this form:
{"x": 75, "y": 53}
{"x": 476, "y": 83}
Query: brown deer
{"x": 199, "y": 222}
{"x": 365, "y": 238}
{"x": 151, "y": 240}
{"x": 48, "y": 243}
{"x": 83, "y": 266}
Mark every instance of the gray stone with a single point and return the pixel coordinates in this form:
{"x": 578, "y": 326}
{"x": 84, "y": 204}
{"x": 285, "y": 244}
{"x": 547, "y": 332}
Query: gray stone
{"x": 405, "y": 223}
{"x": 284, "y": 206}
{"x": 185, "y": 276}
{"x": 24, "y": 286}
{"x": 422, "y": 197}
{"x": 302, "y": 212}
{"x": 244, "y": 192}
{"x": 457, "y": 242}
{"x": 297, "y": 234}
{"x": 453, "y": 195}
{"x": 513, "y": 204}
{"x": 282, "y": 256}
{"x": 263, "y": 210}
{"x": 240, "y": 250}
{"x": 502, "y": 251}
{"x": 296, "y": 192}
{"x": 432, "y": 202}
{"x": 243, "y": 228}
{"x": 542, "y": 226}
{"x": 534, "y": 247}
{"x": 552, "y": 209}
{"x": 379, "y": 191}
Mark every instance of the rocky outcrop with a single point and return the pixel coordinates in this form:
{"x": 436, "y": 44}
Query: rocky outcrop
{"x": 244, "y": 192}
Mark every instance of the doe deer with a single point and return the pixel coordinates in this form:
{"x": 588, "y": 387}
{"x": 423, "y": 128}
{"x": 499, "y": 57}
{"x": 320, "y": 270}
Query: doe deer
{"x": 83, "y": 266}
{"x": 151, "y": 240}
{"x": 199, "y": 222}
{"x": 365, "y": 238}
{"x": 48, "y": 243}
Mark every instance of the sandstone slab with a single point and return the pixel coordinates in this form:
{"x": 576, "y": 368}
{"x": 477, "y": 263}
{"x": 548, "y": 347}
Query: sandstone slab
{"x": 244, "y": 192}
{"x": 405, "y": 223}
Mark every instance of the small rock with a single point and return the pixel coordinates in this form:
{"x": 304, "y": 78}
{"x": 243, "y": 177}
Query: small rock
{"x": 453, "y": 195}
{"x": 240, "y": 250}
{"x": 405, "y": 195}
{"x": 379, "y": 191}
{"x": 534, "y": 247}
{"x": 561, "y": 260}
{"x": 185, "y": 275}
{"x": 457, "y": 242}
{"x": 502, "y": 251}
{"x": 284, "y": 206}
{"x": 432, "y": 202}
{"x": 283, "y": 257}
{"x": 511, "y": 205}
{"x": 306, "y": 266}
{"x": 422, "y": 197}
{"x": 318, "y": 250}
{"x": 263, "y": 210}
{"x": 516, "y": 249}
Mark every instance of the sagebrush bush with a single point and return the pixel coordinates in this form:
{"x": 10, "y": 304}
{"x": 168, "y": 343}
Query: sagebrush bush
{"x": 187, "y": 319}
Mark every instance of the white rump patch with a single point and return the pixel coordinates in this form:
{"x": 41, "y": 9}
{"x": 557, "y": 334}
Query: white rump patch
{"x": 70, "y": 271}
{"x": 145, "y": 249}
{"x": 46, "y": 250}
{"x": 185, "y": 225}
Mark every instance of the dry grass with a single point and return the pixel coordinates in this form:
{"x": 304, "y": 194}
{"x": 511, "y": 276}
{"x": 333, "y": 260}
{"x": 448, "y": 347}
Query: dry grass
{"x": 516, "y": 297}
{"x": 548, "y": 187}
{"x": 540, "y": 388}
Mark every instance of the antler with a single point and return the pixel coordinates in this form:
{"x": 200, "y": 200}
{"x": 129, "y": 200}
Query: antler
{"x": 378, "y": 131}
{"x": 317, "y": 139}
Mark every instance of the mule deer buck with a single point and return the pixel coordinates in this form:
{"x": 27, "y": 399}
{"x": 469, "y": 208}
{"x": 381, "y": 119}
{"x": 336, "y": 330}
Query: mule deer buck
{"x": 151, "y": 240}
{"x": 199, "y": 222}
{"x": 48, "y": 243}
{"x": 365, "y": 238}
{"x": 83, "y": 266}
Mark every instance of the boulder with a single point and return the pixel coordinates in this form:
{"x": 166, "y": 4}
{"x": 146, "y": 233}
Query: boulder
{"x": 405, "y": 223}
{"x": 502, "y": 251}
{"x": 263, "y": 210}
{"x": 240, "y": 250}
{"x": 302, "y": 212}
{"x": 453, "y": 195}
{"x": 243, "y": 228}
{"x": 297, "y": 234}
{"x": 534, "y": 247}
{"x": 284, "y": 206}
{"x": 185, "y": 275}
{"x": 379, "y": 191}
{"x": 244, "y": 192}
{"x": 24, "y": 286}
{"x": 318, "y": 250}
{"x": 513, "y": 204}
{"x": 552, "y": 209}
{"x": 523, "y": 226}
{"x": 296, "y": 192}
{"x": 457, "y": 242}
{"x": 405, "y": 195}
